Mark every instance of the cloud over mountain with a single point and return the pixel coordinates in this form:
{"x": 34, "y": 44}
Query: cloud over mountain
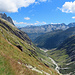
{"x": 25, "y": 23}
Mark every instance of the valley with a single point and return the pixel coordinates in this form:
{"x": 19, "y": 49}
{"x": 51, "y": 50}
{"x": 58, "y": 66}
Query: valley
{"x": 37, "y": 37}
{"x": 51, "y": 53}
{"x": 59, "y": 48}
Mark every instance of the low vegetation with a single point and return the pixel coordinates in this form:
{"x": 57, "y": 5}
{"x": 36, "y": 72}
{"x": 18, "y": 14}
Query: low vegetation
{"x": 64, "y": 55}
{"x": 17, "y": 52}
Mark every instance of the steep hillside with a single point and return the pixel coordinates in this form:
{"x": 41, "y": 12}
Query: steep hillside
{"x": 18, "y": 55}
{"x": 9, "y": 27}
{"x": 53, "y": 39}
{"x": 69, "y": 45}
{"x": 64, "y": 55}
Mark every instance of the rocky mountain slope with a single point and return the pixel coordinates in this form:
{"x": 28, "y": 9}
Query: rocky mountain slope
{"x": 19, "y": 56}
{"x": 71, "y": 25}
{"x": 64, "y": 55}
{"x": 4, "y": 16}
{"x": 44, "y": 28}
{"x": 53, "y": 39}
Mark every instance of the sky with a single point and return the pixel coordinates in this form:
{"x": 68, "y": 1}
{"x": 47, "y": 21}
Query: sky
{"x": 39, "y": 12}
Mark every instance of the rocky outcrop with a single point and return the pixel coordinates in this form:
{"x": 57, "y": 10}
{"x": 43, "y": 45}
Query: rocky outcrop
{"x": 33, "y": 52}
{"x": 20, "y": 47}
{"x": 4, "y": 16}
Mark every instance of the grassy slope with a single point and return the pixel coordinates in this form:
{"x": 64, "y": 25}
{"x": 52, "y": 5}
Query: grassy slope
{"x": 10, "y": 55}
{"x": 64, "y": 55}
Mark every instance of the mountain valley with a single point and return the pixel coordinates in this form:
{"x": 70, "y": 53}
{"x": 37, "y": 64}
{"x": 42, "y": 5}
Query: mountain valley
{"x": 54, "y": 38}
{"x": 64, "y": 55}
{"x": 37, "y": 37}
{"x": 58, "y": 42}
{"x": 51, "y": 53}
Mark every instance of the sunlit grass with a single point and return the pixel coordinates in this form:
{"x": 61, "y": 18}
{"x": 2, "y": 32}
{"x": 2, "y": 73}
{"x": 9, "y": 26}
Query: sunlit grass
{"x": 10, "y": 55}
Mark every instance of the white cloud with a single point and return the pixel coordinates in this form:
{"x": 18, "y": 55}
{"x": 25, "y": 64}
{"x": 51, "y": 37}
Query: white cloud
{"x": 27, "y": 18}
{"x": 37, "y": 3}
{"x": 44, "y": 22}
{"x": 24, "y": 23}
{"x": 39, "y": 23}
{"x": 14, "y": 5}
{"x": 18, "y": 22}
{"x": 68, "y": 7}
{"x": 55, "y": 23}
{"x": 73, "y": 17}
{"x": 42, "y": 0}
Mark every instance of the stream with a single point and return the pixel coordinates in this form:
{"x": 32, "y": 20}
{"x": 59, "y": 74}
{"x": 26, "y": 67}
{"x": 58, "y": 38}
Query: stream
{"x": 57, "y": 67}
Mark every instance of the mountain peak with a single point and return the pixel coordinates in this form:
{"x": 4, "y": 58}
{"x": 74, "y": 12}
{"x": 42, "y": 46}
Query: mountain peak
{"x": 4, "y": 16}
{"x": 71, "y": 24}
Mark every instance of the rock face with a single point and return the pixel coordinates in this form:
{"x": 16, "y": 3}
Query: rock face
{"x": 44, "y": 28}
{"x": 4, "y": 16}
{"x": 20, "y": 47}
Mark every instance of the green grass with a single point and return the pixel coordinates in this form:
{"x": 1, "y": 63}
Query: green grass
{"x": 65, "y": 55}
{"x": 59, "y": 56}
{"x": 13, "y": 53}
{"x": 10, "y": 55}
{"x": 5, "y": 68}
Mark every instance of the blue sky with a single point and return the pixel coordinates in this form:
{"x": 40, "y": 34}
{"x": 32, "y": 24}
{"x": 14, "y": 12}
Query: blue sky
{"x": 39, "y": 12}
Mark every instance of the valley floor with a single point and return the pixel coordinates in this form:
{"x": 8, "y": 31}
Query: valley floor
{"x": 57, "y": 68}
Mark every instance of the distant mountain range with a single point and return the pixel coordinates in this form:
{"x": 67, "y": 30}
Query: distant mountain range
{"x": 54, "y": 38}
{"x": 35, "y": 31}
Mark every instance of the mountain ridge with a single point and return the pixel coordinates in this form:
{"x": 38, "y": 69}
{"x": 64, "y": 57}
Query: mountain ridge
{"x": 4, "y": 16}
{"x": 39, "y": 30}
